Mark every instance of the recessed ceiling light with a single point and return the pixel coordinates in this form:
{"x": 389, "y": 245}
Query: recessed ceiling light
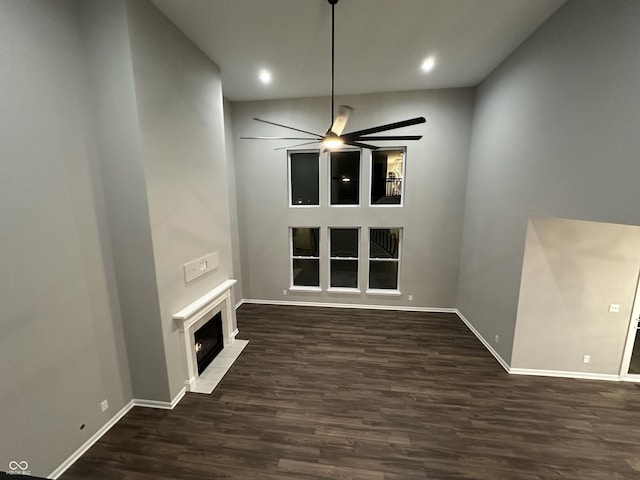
{"x": 265, "y": 76}
{"x": 428, "y": 64}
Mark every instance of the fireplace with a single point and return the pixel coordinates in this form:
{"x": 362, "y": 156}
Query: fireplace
{"x": 215, "y": 303}
{"x": 208, "y": 341}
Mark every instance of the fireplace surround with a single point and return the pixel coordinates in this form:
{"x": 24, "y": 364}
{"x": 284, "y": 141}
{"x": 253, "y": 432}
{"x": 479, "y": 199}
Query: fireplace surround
{"x": 192, "y": 317}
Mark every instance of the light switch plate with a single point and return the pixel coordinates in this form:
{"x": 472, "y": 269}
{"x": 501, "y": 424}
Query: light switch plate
{"x": 200, "y": 266}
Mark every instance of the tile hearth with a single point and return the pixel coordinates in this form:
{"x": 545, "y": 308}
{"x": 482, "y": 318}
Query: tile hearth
{"x": 211, "y": 377}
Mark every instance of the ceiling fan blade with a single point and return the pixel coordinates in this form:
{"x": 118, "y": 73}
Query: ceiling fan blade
{"x": 384, "y": 128}
{"x": 341, "y": 119}
{"x": 279, "y": 138}
{"x": 286, "y": 126}
{"x": 392, "y": 137}
{"x": 296, "y": 145}
{"x": 361, "y": 145}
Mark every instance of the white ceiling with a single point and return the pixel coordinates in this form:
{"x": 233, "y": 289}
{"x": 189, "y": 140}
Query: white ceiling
{"x": 380, "y": 44}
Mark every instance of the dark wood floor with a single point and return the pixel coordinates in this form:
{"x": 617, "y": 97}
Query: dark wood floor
{"x": 355, "y": 394}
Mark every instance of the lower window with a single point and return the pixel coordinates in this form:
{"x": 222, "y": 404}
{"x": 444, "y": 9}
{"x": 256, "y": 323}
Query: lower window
{"x": 384, "y": 258}
{"x": 305, "y": 257}
{"x": 343, "y": 252}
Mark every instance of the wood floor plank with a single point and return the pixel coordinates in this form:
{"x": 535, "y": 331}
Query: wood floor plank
{"x": 376, "y": 395}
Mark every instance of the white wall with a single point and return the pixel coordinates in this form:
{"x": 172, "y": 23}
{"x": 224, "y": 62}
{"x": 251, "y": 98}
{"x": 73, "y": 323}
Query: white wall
{"x": 61, "y": 348}
{"x": 555, "y": 133}
{"x": 436, "y": 168}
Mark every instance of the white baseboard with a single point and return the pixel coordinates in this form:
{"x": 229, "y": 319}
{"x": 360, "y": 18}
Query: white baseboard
{"x": 487, "y": 345}
{"x": 565, "y": 374}
{"x": 137, "y": 402}
{"x": 235, "y": 333}
{"x": 536, "y": 372}
{"x": 239, "y": 304}
{"x": 92, "y": 440}
{"x": 112, "y": 421}
{"x": 349, "y": 305}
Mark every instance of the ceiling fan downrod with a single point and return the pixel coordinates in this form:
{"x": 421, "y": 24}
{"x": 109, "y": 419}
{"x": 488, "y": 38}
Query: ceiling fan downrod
{"x": 333, "y": 51}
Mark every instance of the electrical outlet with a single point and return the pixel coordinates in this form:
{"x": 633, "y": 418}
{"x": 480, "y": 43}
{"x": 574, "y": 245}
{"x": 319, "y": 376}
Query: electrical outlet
{"x": 410, "y": 298}
{"x": 104, "y": 405}
{"x": 586, "y": 359}
{"x": 614, "y": 308}
{"x": 497, "y": 339}
{"x": 284, "y": 292}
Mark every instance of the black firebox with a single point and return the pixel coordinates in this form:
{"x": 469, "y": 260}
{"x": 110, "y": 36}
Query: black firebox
{"x": 208, "y": 341}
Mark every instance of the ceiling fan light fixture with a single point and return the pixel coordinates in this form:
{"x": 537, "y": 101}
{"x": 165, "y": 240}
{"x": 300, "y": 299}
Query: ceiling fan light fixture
{"x": 332, "y": 142}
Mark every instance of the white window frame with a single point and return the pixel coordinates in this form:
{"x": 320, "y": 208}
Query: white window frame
{"x": 304, "y": 288}
{"x": 404, "y": 177}
{"x": 384, "y": 291}
{"x": 290, "y": 186}
{"x": 357, "y": 259}
{"x": 330, "y": 180}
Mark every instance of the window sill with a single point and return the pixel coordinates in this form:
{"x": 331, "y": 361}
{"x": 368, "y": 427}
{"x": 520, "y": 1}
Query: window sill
{"x": 304, "y": 206}
{"x": 379, "y": 291}
{"x": 353, "y": 291}
{"x": 305, "y": 289}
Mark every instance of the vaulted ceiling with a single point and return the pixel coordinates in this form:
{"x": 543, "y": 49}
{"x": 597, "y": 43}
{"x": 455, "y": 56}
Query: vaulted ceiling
{"x": 380, "y": 44}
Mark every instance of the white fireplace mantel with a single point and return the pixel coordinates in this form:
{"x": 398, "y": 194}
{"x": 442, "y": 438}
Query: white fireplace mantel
{"x": 196, "y": 314}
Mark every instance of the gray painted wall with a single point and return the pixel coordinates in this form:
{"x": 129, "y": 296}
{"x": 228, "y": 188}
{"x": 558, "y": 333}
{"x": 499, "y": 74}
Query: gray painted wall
{"x": 572, "y": 271}
{"x": 108, "y": 60}
{"x": 233, "y": 204}
{"x": 159, "y": 117}
{"x": 61, "y": 349}
{"x": 115, "y": 175}
{"x": 436, "y": 169}
{"x": 181, "y": 121}
{"x": 555, "y": 133}
{"x": 115, "y": 128}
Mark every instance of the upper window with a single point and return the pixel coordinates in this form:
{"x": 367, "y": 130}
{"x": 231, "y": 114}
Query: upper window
{"x": 345, "y": 177}
{"x": 305, "y": 257}
{"x": 304, "y": 179}
{"x": 384, "y": 258}
{"x": 387, "y": 176}
{"x": 344, "y": 252}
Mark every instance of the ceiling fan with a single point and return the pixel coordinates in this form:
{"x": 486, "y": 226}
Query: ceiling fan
{"x": 334, "y": 137}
